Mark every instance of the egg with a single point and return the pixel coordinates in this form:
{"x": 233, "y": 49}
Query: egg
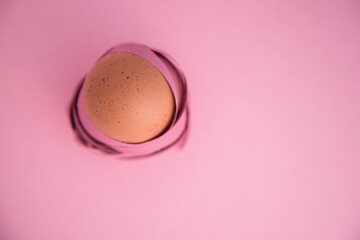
{"x": 127, "y": 98}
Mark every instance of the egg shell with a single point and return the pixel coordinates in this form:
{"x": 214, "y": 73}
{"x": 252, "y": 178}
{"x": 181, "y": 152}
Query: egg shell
{"x": 127, "y": 98}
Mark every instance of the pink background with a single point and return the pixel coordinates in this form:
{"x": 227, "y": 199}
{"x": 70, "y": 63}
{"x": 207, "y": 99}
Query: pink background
{"x": 274, "y": 147}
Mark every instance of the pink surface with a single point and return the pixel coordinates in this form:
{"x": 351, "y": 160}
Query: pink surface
{"x": 274, "y": 146}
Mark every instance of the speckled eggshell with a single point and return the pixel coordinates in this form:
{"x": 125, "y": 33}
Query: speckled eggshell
{"x": 127, "y": 98}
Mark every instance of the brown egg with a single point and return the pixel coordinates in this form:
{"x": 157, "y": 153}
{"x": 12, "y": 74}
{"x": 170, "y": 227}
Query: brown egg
{"x": 127, "y": 98}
